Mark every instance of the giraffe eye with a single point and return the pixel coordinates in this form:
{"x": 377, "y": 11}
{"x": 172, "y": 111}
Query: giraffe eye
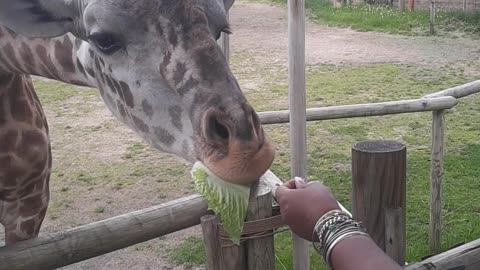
{"x": 106, "y": 43}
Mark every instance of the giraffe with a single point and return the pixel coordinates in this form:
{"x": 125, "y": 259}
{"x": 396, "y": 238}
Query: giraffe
{"x": 158, "y": 69}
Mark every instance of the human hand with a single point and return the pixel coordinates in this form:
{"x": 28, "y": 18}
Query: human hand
{"x": 302, "y": 204}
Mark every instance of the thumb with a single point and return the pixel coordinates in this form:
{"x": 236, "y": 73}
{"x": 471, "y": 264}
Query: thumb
{"x": 300, "y": 183}
{"x": 281, "y": 193}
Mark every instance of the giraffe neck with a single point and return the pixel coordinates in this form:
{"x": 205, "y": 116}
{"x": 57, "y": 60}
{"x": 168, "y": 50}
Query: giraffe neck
{"x": 58, "y": 58}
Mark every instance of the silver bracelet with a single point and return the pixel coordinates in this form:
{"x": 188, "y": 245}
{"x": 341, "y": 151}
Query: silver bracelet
{"x": 332, "y": 228}
{"x": 328, "y": 254}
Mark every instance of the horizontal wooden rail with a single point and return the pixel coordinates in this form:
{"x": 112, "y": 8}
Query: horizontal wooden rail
{"x": 84, "y": 242}
{"x": 458, "y": 91}
{"x": 362, "y": 110}
{"x": 464, "y": 257}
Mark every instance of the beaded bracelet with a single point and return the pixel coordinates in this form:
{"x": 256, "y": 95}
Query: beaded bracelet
{"x": 332, "y": 228}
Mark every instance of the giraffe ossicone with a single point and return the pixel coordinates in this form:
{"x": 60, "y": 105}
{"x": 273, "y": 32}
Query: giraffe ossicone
{"x": 156, "y": 65}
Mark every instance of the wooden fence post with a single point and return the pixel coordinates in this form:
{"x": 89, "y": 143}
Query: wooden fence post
{"x": 436, "y": 180}
{"x": 432, "y": 17}
{"x": 260, "y": 251}
{"x": 297, "y": 104}
{"x": 379, "y": 185}
{"x": 212, "y": 243}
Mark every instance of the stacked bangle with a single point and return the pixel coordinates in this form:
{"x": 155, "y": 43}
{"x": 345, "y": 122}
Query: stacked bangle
{"x": 332, "y": 228}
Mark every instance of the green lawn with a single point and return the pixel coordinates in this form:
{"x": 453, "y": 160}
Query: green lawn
{"x": 329, "y": 146}
{"x": 390, "y": 20}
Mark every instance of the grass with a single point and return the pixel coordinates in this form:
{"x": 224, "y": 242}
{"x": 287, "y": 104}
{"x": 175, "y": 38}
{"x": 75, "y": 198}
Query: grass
{"x": 390, "y": 20}
{"x": 329, "y": 144}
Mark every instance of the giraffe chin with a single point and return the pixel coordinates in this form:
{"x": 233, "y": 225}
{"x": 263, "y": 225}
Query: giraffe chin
{"x": 240, "y": 166}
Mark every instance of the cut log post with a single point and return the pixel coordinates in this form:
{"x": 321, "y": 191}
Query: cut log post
{"x": 379, "y": 183}
{"x": 260, "y": 251}
{"x": 212, "y": 242}
{"x": 436, "y": 180}
{"x": 395, "y": 234}
{"x": 234, "y": 256}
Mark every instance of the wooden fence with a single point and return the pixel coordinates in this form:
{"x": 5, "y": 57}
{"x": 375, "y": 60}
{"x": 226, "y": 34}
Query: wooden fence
{"x": 77, "y": 244}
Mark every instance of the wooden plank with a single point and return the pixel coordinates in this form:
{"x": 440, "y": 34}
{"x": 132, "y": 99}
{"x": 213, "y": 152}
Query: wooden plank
{"x": 212, "y": 243}
{"x": 466, "y": 256}
{"x": 84, "y": 242}
{"x": 458, "y": 91}
{"x": 234, "y": 256}
{"x": 401, "y": 5}
{"x": 432, "y": 17}
{"x": 260, "y": 252}
{"x": 362, "y": 110}
{"x": 395, "y": 234}
{"x": 436, "y": 180}
{"x": 297, "y": 103}
{"x": 378, "y": 182}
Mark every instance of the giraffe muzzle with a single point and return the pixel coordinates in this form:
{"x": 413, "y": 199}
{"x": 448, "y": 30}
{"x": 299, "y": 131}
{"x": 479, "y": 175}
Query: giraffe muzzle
{"x": 236, "y": 147}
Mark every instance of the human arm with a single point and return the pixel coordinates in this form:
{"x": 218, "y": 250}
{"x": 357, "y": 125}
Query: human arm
{"x": 301, "y": 207}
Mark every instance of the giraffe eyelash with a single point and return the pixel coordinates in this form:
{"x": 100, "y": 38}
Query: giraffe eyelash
{"x": 227, "y": 30}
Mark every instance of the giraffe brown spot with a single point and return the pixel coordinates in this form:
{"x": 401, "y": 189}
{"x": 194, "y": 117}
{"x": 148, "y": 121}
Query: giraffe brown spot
{"x": 11, "y": 238}
{"x": 63, "y": 54}
{"x": 27, "y": 54}
{"x": 28, "y": 227}
{"x": 207, "y": 61}
{"x": 97, "y": 64}
{"x": 166, "y": 61}
{"x": 80, "y": 68}
{"x": 102, "y": 62}
{"x": 121, "y": 109}
{"x": 10, "y": 53}
{"x": 187, "y": 86}
{"x": 127, "y": 94}
{"x": 8, "y": 142}
{"x": 27, "y": 189}
{"x": 172, "y": 37}
{"x": 139, "y": 124}
{"x": 179, "y": 73}
{"x": 164, "y": 136}
{"x": 90, "y": 72}
{"x": 147, "y": 108}
{"x": 21, "y": 110}
{"x": 159, "y": 29}
{"x": 176, "y": 117}
{"x": 109, "y": 81}
{"x": 31, "y": 206}
{"x": 48, "y": 65}
{"x": 8, "y": 195}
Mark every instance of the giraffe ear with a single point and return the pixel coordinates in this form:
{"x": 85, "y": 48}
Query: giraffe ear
{"x": 228, "y": 4}
{"x": 38, "y": 18}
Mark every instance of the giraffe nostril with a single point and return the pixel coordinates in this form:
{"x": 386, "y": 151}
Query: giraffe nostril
{"x": 219, "y": 130}
{"x": 215, "y": 129}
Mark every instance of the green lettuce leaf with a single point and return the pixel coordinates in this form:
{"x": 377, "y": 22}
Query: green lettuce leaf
{"x": 228, "y": 201}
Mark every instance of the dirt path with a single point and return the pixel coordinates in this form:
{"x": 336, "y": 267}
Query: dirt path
{"x": 262, "y": 29}
{"x": 108, "y": 177}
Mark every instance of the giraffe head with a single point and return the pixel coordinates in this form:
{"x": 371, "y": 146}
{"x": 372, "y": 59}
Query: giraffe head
{"x": 160, "y": 71}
